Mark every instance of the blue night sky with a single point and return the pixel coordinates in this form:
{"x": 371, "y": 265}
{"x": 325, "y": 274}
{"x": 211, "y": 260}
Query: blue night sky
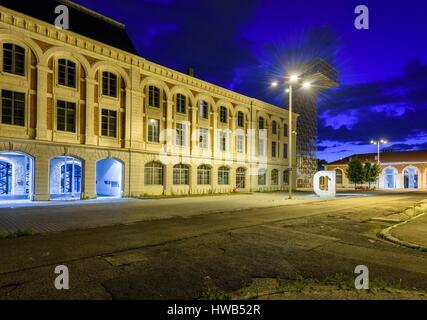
{"x": 243, "y": 45}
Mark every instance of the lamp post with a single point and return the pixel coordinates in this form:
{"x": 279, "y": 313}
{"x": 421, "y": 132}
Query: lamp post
{"x": 378, "y": 143}
{"x": 293, "y": 79}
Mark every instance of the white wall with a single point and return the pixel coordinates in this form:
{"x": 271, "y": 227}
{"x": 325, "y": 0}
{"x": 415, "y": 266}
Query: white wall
{"x": 109, "y": 178}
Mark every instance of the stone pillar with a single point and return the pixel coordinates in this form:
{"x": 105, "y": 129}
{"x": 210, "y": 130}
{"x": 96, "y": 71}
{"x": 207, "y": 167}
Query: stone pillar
{"x": 90, "y": 137}
{"x": 168, "y": 178}
{"x": 89, "y": 191}
{"x": 41, "y": 128}
{"x": 136, "y": 109}
{"x": 136, "y": 174}
{"x": 128, "y": 118}
{"x": 41, "y": 181}
{"x": 169, "y": 125}
{"x": 193, "y": 178}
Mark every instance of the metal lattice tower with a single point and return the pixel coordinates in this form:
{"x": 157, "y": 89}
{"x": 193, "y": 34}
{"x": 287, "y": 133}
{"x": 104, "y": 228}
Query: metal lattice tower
{"x": 323, "y": 76}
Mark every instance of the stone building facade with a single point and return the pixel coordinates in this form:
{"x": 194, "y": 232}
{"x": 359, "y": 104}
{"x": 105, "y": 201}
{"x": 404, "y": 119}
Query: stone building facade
{"x": 81, "y": 118}
{"x": 399, "y": 170}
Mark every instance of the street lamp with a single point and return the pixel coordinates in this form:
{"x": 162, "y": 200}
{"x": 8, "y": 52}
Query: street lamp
{"x": 378, "y": 143}
{"x": 292, "y": 80}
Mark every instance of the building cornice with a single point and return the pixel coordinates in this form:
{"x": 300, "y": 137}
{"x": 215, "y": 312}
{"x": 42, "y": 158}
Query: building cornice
{"x": 33, "y": 25}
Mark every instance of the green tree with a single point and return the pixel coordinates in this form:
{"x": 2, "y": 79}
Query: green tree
{"x": 371, "y": 172}
{"x": 355, "y": 172}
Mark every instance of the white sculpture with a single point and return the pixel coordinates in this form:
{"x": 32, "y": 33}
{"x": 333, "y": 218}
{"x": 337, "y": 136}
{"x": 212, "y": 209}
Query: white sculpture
{"x": 330, "y": 191}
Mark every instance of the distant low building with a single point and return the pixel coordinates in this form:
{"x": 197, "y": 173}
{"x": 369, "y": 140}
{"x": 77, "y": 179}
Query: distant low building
{"x": 399, "y": 170}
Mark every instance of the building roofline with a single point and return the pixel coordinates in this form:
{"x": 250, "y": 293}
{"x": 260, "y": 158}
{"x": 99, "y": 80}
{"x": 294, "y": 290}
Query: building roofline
{"x": 92, "y": 13}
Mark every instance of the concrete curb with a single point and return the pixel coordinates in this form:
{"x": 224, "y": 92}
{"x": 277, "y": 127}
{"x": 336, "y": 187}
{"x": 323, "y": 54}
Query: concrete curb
{"x": 386, "y": 234}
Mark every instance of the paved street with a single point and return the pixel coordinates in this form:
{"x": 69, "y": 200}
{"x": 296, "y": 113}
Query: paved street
{"x": 203, "y": 255}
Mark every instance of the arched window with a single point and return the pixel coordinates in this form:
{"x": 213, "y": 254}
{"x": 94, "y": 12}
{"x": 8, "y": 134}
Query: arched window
{"x": 153, "y": 173}
{"x": 286, "y": 177}
{"x": 274, "y": 127}
{"x": 204, "y": 109}
{"x": 181, "y": 174}
{"x": 65, "y": 177}
{"x": 67, "y": 73}
{"x": 262, "y": 177}
{"x": 261, "y": 123}
{"x": 181, "y": 103}
{"x": 241, "y": 178}
{"x": 410, "y": 178}
{"x": 154, "y": 96}
{"x": 223, "y": 114}
{"x": 223, "y": 176}
{"x": 240, "y": 119}
{"x": 390, "y": 177}
{"x": 203, "y": 175}
{"x": 13, "y": 59}
{"x": 109, "y": 84}
{"x": 338, "y": 176}
{"x": 274, "y": 177}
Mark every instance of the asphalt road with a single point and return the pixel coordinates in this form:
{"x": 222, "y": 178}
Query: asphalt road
{"x": 188, "y": 257}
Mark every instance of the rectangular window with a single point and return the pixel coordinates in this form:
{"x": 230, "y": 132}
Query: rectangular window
{"x": 204, "y": 108}
{"x": 262, "y": 177}
{"x": 285, "y": 151}
{"x": 203, "y": 138}
{"x": 109, "y": 84}
{"x": 66, "y": 116}
{"x": 273, "y": 149}
{"x": 203, "y": 175}
{"x": 180, "y": 134}
{"x": 223, "y": 176}
{"x": 240, "y": 145}
{"x": 154, "y": 97}
{"x": 261, "y": 147}
{"x": 109, "y": 123}
{"x": 180, "y": 103}
{"x": 223, "y": 141}
{"x": 153, "y": 130}
{"x": 13, "y": 59}
{"x": 240, "y": 119}
{"x": 66, "y": 73}
{"x": 13, "y": 108}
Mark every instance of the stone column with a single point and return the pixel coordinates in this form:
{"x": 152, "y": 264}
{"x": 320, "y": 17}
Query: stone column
{"x": 89, "y": 179}
{"x": 41, "y": 181}
{"x": 41, "y": 128}
{"x": 90, "y": 100}
{"x": 168, "y": 179}
{"x": 128, "y": 118}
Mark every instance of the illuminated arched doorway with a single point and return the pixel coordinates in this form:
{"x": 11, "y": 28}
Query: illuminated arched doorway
{"x": 390, "y": 178}
{"x": 410, "y": 176}
{"x": 109, "y": 178}
{"x": 16, "y": 176}
{"x": 66, "y": 177}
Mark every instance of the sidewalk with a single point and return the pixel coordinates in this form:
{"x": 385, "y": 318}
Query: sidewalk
{"x": 414, "y": 232}
{"x": 51, "y": 216}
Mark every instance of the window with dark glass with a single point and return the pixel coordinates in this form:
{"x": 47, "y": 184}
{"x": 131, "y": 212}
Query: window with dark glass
{"x": 285, "y": 151}
{"x": 285, "y": 130}
{"x": 285, "y": 177}
{"x": 66, "y": 116}
{"x": 154, "y": 96}
{"x": 273, "y": 149}
{"x": 180, "y": 103}
{"x": 274, "y": 177}
{"x": 240, "y": 119}
{"x": 204, "y": 109}
{"x": 109, "y": 123}
{"x": 261, "y": 123}
{"x": 262, "y": 177}
{"x": 13, "y": 108}
{"x": 181, "y": 174}
{"x": 223, "y": 176}
{"x": 109, "y": 84}
{"x": 223, "y": 114}
{"x": 153, "y": 173}
{"x": 66, "y": 73}
{"x": 13, "y": 59}
{"x": 274, "y": 127}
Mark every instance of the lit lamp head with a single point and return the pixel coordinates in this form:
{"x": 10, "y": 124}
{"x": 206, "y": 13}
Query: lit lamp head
{"x": 293, "y": 78}
{"x": 306, "y": 85}
{"x": 274, "y": 84}
{"x": 373, "y": 142}
{"x": 383, "y": 141}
